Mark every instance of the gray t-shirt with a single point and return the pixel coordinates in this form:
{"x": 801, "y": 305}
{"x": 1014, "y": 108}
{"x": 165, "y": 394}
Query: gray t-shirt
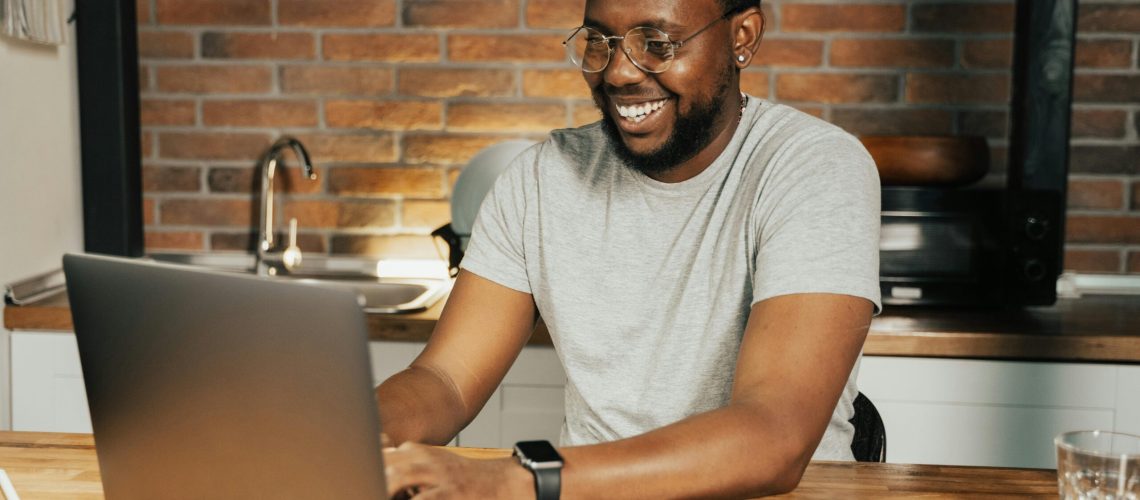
{"x": 646, "y": 286}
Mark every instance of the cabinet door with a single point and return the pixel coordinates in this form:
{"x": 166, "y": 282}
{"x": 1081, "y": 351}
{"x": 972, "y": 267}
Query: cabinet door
{"x": 991, "y": 413}
{"x": 47, "y": 384}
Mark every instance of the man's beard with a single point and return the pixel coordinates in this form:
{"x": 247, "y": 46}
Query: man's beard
{"x": 692, "y": 132}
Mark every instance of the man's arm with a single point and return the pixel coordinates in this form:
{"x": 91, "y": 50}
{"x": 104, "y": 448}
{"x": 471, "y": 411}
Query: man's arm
{"x": 797, "y": 353}
{"x": 796, "y": 356}
{"x": 480, "y": 332}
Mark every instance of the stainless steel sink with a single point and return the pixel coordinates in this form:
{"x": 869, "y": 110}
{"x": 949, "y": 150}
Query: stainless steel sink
{"x": 376, "y": 292}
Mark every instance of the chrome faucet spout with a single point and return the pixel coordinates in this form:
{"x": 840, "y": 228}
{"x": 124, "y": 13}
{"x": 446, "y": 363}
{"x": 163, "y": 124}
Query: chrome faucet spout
{"x": 268, "y": 165}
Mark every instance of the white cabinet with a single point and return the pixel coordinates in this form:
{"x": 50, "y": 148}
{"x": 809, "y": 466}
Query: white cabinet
{"x": 47, "y": 383}
{"x": 994, "y": 413}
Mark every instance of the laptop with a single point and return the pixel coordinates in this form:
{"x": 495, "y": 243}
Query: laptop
{"x": 206, "y": 384}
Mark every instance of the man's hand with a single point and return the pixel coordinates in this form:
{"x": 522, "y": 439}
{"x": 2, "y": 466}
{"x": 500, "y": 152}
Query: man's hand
{"x": 429, "y": 472}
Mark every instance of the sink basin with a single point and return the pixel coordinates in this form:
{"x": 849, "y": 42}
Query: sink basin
{"x": 376, "y": 292}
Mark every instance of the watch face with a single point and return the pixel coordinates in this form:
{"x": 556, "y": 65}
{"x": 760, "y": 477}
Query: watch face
{"x": 538, "y": 451}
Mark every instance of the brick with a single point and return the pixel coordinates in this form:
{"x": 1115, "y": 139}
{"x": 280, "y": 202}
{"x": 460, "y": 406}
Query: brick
{"x": 219, "y": 45}
{"x": 461, "y": 13}
{"x": 414, "y": 182}
{"x": 585, "y": 114}
{"x": 558, "y": 14}
{"x": 1096, "y": 194}
{"x": 348, "y": 13}
{"x": 165, "y": 44}
{"x": 505, "y": 117}
{"x": 836, "y": 88}
{"x": 1105, "y": 123}
{"x": 1092, "y": 261}
{"x": 506, "y": 48}
{"x": 1104, "y": 159}
{"x": 1103, "y": 53}
{"x": 144, "y": 77}
{"x": 259, "y": 113}
{"x": 789, "y": 53}
{"x": 213, "y": 12}
{"x": 857, "y": 17}
{"x": 214, "y": 79}
{"x": 385, "y": 115}
{"x": 987, "y": 54}
{"x": 341, "y": 214}
{"x": 425, "y": 213}
{"x": 148, "y": 211}
{"x": 1106, "y": 229}
{"x": 142, "y": 12}
{"x": 957, "y": 88}
{"x": 558, "y": 83}
{"x": 754, "y": 83}
{"x": 167, "y": 112}
{"x": 362, "y": 148}
{"x": 893, "y": 121}
{"x": 445, "y": 149}
{"x": 963, "y": 17}
{"x": 247, "y": 242}
{"x": 1134, "y": 262}
{"x": 290, "y": 179}
{"x": 1122, "y": 89}
{"x": 336, "y": 81}
{"x": 1120, "y": 18}
{"x": 456, "y": 82}
{"x": 171, "y": 179}
{"x": 173, "y": 240}
{"x": 1136, "y": 195}
{"x": 206, "y": 212}
{"x": 395, "y": 247}
{"x": 381, "y": 47}
{"x": 992, "y": 124}
{"x": 893, "y": 53}
{"x": 211, "y": 145}
{"x": 146, "y": 144}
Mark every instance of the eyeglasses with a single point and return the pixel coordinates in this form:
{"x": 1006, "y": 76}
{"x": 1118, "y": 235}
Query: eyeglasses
{"x": 650, "y": 49}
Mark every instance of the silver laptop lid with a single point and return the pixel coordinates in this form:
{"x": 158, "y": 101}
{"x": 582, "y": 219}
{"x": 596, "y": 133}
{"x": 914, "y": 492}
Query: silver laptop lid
{"x": 211, "y": 385}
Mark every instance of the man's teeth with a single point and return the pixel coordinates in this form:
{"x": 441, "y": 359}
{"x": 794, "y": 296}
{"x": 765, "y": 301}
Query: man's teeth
{"x": 639, "y": 112}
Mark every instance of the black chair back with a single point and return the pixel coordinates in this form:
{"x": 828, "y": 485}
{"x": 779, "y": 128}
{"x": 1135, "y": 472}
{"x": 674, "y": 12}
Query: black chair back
{"x": 870, "y": 441}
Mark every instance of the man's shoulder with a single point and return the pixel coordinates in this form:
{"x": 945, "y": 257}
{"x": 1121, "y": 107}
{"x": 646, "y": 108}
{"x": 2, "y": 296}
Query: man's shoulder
{"x": 579, "y": 141}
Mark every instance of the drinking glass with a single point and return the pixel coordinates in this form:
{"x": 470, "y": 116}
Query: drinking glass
{"x": 1098, "y": 465}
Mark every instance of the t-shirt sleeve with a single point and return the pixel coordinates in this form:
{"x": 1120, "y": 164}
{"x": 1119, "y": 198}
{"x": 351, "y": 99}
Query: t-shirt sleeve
{"x": 817, "y": 223}
{"x": 496, "y": 250}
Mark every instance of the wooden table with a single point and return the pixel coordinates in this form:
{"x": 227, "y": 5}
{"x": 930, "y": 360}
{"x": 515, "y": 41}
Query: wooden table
{"x": 50, "y": 465}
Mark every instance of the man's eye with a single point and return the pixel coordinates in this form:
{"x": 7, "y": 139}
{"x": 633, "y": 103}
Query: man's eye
{"x": 659, "y": 47}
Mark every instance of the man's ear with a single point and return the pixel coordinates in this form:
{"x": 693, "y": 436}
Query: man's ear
{"x": 748, "y": 31}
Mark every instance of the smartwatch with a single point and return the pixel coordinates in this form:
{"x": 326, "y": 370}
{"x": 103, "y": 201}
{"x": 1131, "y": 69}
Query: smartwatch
{"x": 542, "y": 460}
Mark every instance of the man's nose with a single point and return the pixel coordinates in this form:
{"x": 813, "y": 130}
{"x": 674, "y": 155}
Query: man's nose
{"x": 621, "y": 70}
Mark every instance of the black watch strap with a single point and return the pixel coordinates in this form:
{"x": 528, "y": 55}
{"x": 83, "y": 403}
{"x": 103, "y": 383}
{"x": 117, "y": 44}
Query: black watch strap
{"x": 547, "y": 483}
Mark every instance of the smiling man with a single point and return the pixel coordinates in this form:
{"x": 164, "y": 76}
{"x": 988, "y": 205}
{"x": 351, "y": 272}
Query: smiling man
{"x": 706, "y": 263}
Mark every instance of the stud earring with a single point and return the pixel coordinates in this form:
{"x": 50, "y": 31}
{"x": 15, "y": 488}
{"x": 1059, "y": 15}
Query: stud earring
{"x": 740, "y": 58}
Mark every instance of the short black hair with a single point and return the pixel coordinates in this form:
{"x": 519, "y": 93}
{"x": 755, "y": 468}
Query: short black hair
{"x": 734, "y": 6}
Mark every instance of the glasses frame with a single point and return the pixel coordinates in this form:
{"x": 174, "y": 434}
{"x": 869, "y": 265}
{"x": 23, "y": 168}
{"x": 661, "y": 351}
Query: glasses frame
{"x": 621, "y": 38}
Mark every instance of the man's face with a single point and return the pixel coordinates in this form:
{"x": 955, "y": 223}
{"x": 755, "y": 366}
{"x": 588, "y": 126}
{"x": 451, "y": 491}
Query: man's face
{"x": 685, "y": 103}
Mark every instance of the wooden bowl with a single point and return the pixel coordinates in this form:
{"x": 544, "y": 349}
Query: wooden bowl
{"x": 929, "y": 160}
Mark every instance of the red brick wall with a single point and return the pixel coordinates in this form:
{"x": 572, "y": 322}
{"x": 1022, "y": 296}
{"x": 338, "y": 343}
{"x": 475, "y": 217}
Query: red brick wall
{"x": 393, "y": 96}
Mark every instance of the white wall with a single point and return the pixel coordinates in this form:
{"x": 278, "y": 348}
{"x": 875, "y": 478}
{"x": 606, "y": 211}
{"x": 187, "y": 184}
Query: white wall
{"x": 40, "y": 193}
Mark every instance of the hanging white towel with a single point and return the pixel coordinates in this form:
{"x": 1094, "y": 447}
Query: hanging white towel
{"x": 39, "y": 21}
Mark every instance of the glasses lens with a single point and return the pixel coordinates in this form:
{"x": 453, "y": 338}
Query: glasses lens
{"x": 588, "y": 49}
{"x": 650, "y": 49}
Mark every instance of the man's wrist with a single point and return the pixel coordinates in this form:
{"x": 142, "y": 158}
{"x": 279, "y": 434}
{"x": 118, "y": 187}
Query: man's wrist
{"x": 519, "y": 481}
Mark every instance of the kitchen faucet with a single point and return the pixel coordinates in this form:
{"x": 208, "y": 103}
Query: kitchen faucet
{"x": 266, "y": 236}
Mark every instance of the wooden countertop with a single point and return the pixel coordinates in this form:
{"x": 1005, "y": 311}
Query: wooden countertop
{"x": 49, "y": 465}
{"x": 1093, "y": 329}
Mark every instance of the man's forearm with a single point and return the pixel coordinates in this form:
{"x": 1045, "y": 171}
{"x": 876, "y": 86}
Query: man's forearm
{"x": 419, "y": 405}
{"x": 737, "y": 451}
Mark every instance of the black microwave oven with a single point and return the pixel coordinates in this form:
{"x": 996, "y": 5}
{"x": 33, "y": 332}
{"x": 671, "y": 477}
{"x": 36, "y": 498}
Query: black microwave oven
{"x": 997, "y": 246}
